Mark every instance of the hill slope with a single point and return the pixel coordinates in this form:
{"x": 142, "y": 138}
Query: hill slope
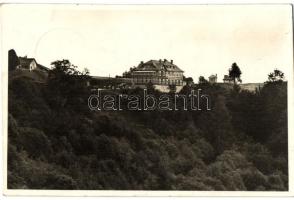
{"x": 56, "y": 142}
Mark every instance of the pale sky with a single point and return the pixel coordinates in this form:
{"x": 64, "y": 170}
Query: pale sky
{"x": 108, "y": 40}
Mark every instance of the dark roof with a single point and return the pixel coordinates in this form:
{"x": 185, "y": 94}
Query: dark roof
{"x": 43, "y": 67}
{"x": 158, "y": 65}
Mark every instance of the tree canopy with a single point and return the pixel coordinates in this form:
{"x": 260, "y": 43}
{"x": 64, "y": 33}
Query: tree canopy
{"x": 276, "y": 76}
{"x": 56, "y": 142}
{"x": 235, "y": 73}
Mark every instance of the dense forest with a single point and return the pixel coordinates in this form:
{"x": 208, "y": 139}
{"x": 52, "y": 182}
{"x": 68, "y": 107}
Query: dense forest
{"x": 56, "y": 142}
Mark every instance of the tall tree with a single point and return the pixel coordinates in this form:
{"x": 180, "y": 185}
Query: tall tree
{"x": 12, "y": 60}
{"x": 235, "y": 73}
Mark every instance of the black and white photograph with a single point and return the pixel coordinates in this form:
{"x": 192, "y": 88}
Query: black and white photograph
{"x": 150, "y": 98}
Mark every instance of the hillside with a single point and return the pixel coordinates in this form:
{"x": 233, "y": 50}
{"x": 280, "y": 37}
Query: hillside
{"x": 244, "y": 86}
{"x": 56, "y": 142}
{"x": 35, "y": 75}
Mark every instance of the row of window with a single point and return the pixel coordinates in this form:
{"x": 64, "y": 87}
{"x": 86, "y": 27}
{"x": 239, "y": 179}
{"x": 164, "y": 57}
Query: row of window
{"x": 159, "y": 81}
{"x": 171, "y": 73}
{"x": 160, "y": 73}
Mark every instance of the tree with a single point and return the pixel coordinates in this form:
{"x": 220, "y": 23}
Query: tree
{"x": 188, "y": 80}
{"x": 172, "y": 88}
{"x": 66, "y": 83}
{"x": 64, "y": 67}
{"x": 235, "y": 73}
{"x": 150, "y": 87}
{"x": 12, "y": 60}
{"x": 202, "y": 80}
{"x": 217, "y": 126}
{"x": 276, "y": 76}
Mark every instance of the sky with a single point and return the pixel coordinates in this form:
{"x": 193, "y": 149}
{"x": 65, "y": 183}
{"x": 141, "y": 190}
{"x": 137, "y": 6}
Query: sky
{"x": 200, "y": 39}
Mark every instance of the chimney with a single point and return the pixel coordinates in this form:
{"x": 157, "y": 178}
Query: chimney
{"x": 142, "y": 63}
{"x": 171, "y": 61}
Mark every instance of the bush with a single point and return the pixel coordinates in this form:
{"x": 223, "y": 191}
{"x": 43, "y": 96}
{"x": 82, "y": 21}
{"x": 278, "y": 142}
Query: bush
{"x": 35, "y": 142}
{"x": 254, "y": 179}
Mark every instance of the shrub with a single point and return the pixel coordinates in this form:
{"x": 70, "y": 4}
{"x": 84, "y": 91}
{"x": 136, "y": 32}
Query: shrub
{"x": 35, "y": 142}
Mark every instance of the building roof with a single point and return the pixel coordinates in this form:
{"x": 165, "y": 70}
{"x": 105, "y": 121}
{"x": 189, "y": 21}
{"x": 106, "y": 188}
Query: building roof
{"x": 213, "y": 76}
{"x": 156, "y": 65}
{"x": 43, "y": 67}
{"x": 25, "y": 62}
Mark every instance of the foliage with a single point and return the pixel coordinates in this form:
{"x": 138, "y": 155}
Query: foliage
{"x": 188, "y": 80}
{"x": 13, "y": 60}
{"x": 276, "y": 76}
{"x": 202, "y": 80}
{"x": 56, "y": 142}
{"x": 67, "y": 85}
{"x": 235, "y": 73}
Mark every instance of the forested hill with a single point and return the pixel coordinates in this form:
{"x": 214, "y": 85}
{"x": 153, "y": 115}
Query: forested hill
{"x": 56, "y": 142}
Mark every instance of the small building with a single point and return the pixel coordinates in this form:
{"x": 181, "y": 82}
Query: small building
{"x": 228, "y": 79}
{"x": 30, "y": 64}
{"x": 212, "y": 78}
{"x": 27, "y": 63}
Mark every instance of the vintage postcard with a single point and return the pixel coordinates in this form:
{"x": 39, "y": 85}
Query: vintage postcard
{"x": 147, "y": 100}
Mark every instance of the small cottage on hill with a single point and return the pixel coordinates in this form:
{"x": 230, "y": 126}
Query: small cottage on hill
{"x": 27, "y": 63}
{"x": 30, "y": 64}
{"x": 212, "y": 78}
{"x": 23, "y": 63}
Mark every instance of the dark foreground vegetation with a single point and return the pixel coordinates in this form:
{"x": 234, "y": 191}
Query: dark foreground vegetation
{"x": 56, "y": 142}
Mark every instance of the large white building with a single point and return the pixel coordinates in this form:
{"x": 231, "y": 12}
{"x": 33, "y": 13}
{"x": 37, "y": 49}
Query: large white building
{"x": 163, "y": 74}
